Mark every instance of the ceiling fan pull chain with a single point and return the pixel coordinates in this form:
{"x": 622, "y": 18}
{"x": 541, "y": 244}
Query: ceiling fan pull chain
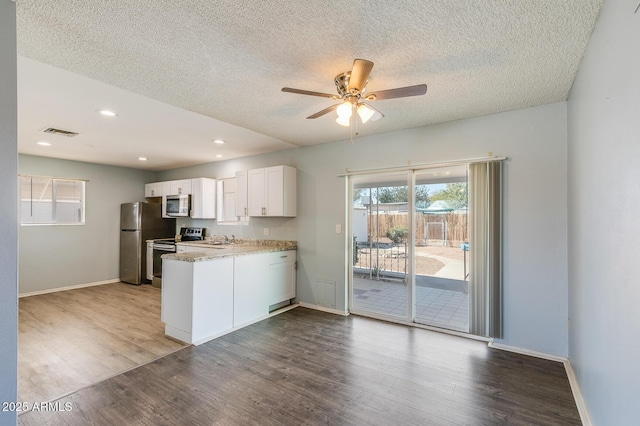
{"x": 351, "y": 130}
{"x": 354, "y": 119}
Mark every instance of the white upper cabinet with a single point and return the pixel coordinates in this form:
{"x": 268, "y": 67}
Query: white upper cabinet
{"x": 153, "y": 190}
{"x": 166, "y": 188}
{"x": 255, "y": 192}
{"x": 172, "y": 187}
{"x": 180, "y": 187}
{"x": 203, "y": 198}
{"x": 272, "y": 191}
{"x": 202, "y": 191}
{"x": 241, "y": 194}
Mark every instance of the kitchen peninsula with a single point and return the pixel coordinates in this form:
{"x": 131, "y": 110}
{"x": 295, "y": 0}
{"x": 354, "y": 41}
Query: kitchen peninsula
{"x": 211, "y": 289}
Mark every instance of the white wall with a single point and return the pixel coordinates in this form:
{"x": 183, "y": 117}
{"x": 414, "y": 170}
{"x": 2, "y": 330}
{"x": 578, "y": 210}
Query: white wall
{"x": 604, "y": 225}
{"x": 59, "y": 256}
{"x": 534, "y": 139}
{"x": 8, "y": 211}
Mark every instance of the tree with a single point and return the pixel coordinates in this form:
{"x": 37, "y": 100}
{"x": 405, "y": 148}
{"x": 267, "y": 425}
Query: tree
{"x": 400, "y": 194}
{"x": 357, "y": 193}
{"x": 456, "y": 194}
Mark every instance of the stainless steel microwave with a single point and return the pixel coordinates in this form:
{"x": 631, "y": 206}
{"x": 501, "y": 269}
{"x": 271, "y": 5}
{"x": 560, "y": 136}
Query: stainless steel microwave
{"x": 177, "y": 205}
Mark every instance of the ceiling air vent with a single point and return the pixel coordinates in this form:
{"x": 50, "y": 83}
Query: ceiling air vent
{"x": 54, "y": 131}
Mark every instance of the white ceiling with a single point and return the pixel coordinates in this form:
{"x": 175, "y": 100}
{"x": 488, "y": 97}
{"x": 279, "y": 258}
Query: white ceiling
{"x": 186, "y": 68}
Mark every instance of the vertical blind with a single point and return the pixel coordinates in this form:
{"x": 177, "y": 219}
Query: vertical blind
{"x": 46, "y": 200}
{"x": 485, "y": 242}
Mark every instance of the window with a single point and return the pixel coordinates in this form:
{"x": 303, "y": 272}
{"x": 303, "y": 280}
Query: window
{"x": 49, "y": 201}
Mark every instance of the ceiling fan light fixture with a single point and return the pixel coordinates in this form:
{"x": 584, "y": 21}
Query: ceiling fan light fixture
{"x": 344, "y": 121}
{"x": 365, "y": 112}
{"x": 352, "y": 88}
{"x": 345, "y": 110}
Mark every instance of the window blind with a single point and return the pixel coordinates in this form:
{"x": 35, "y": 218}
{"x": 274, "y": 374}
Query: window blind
{"x": 46, "y": 200}
{"x": 485, "y": 240}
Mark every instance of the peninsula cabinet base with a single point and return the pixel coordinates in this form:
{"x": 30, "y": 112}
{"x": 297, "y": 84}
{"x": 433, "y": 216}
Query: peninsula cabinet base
{"x": 205, "y": 297}
{"x": 197, "y": 298}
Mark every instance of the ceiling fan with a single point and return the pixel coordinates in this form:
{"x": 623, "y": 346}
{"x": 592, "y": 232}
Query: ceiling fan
{"x": 351, "y": 87}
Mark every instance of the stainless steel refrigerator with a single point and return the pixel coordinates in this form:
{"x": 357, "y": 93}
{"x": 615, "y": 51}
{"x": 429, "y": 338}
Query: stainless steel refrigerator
{"x": 140, "y": 222}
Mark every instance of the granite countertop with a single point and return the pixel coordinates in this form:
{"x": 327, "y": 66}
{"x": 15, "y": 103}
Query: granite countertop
{"x": 239, "y": 248}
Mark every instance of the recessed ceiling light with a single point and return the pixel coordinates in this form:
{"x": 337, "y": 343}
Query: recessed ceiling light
{"x": 218, "y": 141}
{"x": 43, "y": 143}
{"x": 218, "y": 155}
{"x": 107, "y": 113}
{"x": 142, "y": 158}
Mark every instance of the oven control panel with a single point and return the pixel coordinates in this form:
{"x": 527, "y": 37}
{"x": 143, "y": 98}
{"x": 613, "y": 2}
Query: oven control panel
{"x": 191, "y": 234}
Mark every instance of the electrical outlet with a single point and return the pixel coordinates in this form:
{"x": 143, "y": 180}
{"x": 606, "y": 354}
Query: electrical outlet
{"x": 265, "y": 231}
{"x": 338, "y": 228}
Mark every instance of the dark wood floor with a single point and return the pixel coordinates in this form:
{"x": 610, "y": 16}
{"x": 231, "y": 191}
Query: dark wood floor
{"x": 308, "y": 367}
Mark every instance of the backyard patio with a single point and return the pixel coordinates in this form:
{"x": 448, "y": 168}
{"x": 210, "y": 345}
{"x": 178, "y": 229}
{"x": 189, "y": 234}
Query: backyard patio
{"x": 441, "y": 290}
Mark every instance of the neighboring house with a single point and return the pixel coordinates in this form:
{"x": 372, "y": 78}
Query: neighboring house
{"x": 388, "y": 207}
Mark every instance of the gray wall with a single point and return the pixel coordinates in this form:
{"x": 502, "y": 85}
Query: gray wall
{"x": 534, "y": 139}
{"x": 58, "y": 256}
{"x": 604, "y": 230}
{"x": 8, "y": 211}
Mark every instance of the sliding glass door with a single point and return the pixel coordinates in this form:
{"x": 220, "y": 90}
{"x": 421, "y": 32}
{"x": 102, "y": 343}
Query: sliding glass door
{"x": 380, "y": 229}
{"x": 441, "y": 244}
{"x": 409, "y": 235}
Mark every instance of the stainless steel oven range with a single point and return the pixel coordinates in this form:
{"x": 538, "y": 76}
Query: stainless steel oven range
{"x": 160, "y": 247}
{"x": 168, "y": 245}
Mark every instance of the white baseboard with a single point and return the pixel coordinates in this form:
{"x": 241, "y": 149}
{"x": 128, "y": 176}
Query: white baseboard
{"x": 71, "y": 287}
{"x": 529, "y": 352}
{"x": 323, "y": 309}
{"x": 577, "y": 394}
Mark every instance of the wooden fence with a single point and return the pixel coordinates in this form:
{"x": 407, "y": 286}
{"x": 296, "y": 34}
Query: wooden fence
{"x": 448, "y": 229}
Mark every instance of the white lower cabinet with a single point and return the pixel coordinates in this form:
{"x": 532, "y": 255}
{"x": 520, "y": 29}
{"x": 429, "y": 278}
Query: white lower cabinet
{"x": 203, "y": 300}
{"x": 197, "y": 299}
{"x": 262, "y": 280}
{"x": 282, "y": 276}
{"x": 249, "y": 290}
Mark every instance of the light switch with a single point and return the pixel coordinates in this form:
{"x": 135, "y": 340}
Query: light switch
{"x": 265, "y": 231}
{"x": 338, "y": 229}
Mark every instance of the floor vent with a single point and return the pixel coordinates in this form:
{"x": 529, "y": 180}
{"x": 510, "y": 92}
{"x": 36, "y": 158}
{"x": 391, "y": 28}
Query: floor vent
{"x": 54, "y": 131}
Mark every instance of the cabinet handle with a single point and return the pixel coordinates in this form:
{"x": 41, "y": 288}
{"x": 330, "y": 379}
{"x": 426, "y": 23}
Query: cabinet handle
{"x": 285, "y": 256}
{"x": 245, "y": 211}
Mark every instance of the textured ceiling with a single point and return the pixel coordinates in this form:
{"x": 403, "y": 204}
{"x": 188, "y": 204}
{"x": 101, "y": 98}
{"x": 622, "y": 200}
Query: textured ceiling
{"x": 229, "y": 59}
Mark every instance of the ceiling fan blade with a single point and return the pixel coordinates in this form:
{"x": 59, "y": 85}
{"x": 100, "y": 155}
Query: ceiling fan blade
{"x": 400, "y": 92}
{"x": 359, "y": 75}
{"x": 324, "y": 111}
{"x": 308, "y": 92}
